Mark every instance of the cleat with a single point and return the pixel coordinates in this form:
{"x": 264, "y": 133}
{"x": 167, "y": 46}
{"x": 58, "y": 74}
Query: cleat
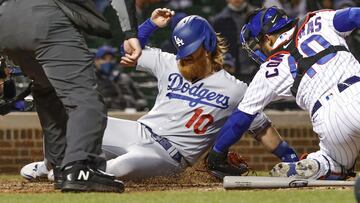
{"x": 306, "y": 168}
{"x": 35, "y": 171}
{"x": 281, "y": 169}
{"x": 82, "y": 178}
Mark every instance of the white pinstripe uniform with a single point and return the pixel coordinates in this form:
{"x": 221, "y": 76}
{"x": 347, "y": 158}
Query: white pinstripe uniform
{"x": 337, "y": 121}
{"x": 188, "y": 114}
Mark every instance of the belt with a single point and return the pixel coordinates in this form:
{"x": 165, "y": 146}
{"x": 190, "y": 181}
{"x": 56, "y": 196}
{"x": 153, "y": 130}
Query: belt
{"x": 165, "y": 143}
{"x": 341, "y": 87}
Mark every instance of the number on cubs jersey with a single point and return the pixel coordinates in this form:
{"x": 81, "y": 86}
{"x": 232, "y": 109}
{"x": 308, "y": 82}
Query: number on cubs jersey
{"x": 310, "y": 52}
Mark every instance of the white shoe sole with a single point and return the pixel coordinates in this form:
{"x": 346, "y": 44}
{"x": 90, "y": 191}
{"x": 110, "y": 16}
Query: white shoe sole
{"x": 306, "y": 168}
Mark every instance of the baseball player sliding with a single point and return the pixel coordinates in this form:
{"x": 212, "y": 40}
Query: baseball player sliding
{"x": 195, "y": 98}
{"x": 306, "y": 58}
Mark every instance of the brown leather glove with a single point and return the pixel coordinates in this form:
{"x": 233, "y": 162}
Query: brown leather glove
{"x": 236, "y": 159}
{"x": 226, "y": 164}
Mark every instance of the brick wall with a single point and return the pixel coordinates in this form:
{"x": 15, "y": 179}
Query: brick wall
{"x": 21, "y": 139}
{"x": 19, "y": 146}
{"x": 301, "y": 138}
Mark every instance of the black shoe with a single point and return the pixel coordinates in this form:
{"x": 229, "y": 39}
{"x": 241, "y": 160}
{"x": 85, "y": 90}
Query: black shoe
{"x": 58, "y": 180}
{"x": 82, "y": 178}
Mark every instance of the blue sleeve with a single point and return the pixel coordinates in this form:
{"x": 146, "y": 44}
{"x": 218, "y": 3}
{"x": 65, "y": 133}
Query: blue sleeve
{"x": 145, "y": 30}
{"x": 237, "y": 124}
{"x": 347, "y": 19}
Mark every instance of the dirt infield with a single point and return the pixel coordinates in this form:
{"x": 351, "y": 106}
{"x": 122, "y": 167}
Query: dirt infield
{"x": 195, "y": 177}
{"x": 194, "y": 185}
{"x": 192, "y": 179}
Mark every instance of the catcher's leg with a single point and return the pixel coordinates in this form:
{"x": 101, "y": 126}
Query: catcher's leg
{"x": 51, "y": 111}
{"x": 339, "y": 127}
{"x": 339, "y": 137}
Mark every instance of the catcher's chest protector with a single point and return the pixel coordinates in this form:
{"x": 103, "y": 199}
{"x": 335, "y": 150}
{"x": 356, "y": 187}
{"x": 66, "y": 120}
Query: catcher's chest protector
{"x": 303, "y": 63}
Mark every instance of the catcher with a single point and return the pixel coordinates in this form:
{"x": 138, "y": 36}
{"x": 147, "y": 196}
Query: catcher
{"x": 306, "y": 59}
{"x": 191, "y": 107}
{"x": 10, "y": 100}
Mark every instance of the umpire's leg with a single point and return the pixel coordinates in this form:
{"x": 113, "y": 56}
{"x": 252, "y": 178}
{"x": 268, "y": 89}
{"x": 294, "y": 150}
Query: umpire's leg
{"x": 68, "y": 64}
{"x": 51, "y": 111}
{"x": 18, "y": 37}
{"x": 44, "y": 30}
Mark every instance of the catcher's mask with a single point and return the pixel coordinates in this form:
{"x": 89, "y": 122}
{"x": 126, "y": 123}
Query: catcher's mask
{"x": 9, "y": 99}
{"x": 8, "y": 84}
{"x": 260, "y": 22}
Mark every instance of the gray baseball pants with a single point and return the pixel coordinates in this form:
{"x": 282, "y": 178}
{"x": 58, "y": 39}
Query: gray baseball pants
{"x": 133, "y": 154}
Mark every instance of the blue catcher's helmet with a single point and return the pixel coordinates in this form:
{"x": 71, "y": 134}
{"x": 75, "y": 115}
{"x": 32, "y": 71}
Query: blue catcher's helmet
{"x": 260, "y": 22}
{"x": 192, "y": 32}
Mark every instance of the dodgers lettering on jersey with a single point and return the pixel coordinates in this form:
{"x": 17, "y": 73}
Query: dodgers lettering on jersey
{"x": 198, "y": 95}
{"x": 189, "y": 114}
{"x": 276, "y": 76}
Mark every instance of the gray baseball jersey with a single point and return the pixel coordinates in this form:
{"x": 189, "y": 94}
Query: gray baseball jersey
{"x": 190, "y": 115}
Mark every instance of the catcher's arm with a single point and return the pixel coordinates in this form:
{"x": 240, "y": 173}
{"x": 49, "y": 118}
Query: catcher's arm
{"x": 272, "y": 140}
{"x": 238, "y": 123}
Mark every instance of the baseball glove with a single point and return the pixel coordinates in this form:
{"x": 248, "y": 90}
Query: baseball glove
{"x": 226, "y": 164}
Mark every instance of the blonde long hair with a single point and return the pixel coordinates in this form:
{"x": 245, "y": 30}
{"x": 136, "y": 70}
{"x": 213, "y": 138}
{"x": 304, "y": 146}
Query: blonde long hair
{"x": 218, "y": 55}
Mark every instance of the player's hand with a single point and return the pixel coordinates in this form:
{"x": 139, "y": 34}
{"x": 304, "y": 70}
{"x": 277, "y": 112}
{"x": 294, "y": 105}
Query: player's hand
{"x": 132, "y": 50}
{"x": 226, "y": 164}
{"x": 162, "y": 16}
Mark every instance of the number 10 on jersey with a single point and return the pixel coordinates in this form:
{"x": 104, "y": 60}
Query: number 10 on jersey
{"x": 200, "y": 122}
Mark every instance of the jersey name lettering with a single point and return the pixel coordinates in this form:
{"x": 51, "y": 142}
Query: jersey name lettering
{"x": 312, "y": 26}
{"x": 179, "y": 88}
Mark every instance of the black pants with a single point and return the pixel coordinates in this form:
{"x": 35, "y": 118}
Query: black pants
{"x": 36, "y": 35}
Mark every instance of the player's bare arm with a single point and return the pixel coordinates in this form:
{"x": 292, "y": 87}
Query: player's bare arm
{"x": 269, "y": 137}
